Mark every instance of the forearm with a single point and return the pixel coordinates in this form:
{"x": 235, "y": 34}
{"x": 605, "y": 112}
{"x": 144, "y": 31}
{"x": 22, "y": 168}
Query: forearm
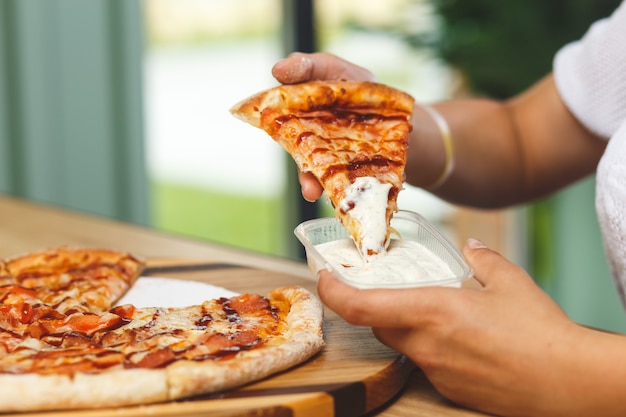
{"x": 571, "y": 371}
{"x": 589, "y": 377}
{"x": 505, "y": 152}
{"x": 484, "y": 145}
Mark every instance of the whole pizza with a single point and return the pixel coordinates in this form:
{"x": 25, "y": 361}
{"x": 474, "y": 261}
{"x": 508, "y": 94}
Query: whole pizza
{"x": 65, "y": 344}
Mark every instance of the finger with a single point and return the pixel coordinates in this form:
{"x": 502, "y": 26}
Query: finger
{"x": 299, "y": 67}
{"x": 392, "y": 308}
{"x": 311, "y": 188}
{"x": 489, "y": 266}
{"x": 296, "y": 68}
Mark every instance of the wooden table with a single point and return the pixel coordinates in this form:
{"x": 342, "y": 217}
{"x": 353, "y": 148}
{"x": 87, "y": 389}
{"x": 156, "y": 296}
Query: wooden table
{"x": 26, "y": 226}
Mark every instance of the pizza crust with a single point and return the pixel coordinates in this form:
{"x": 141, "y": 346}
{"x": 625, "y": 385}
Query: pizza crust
{"x": 33, "y": 392}
{"x": 48, "y": 259}
{"x": 312, "y": 95}
{"x": 302, "y": 340}
{"x": 124, "y": 387}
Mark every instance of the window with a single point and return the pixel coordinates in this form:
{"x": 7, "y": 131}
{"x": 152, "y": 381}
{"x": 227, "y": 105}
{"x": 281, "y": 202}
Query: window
{"x": 212, "y": 176}
{"x": 216, "y": 178}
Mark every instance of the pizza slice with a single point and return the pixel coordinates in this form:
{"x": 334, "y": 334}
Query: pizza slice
{"x": 59, "y": 295}
{"x": 134, "y": 355}
{"x": 353, "y": 137}
{"x": 75, "y": 279}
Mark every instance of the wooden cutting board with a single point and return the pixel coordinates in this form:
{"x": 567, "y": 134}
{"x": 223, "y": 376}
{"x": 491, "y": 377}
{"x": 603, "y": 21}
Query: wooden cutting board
{"x": 353, "y": 376}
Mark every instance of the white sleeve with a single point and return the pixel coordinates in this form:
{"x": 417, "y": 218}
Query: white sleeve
{"x": 590, "y": 75}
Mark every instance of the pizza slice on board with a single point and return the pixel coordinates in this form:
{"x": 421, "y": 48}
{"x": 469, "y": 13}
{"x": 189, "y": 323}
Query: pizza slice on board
{"x": 63, "y": 345}
{"x": 353, "y": 137}
{"x": 75, "y": 279}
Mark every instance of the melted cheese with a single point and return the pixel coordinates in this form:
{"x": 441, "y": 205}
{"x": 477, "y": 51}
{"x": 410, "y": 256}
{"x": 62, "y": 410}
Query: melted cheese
{"x": 366, "y": 202}
{"x": 406, "y": 262}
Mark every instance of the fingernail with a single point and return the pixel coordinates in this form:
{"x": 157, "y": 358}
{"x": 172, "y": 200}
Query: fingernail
{"x": 475, "y": 244}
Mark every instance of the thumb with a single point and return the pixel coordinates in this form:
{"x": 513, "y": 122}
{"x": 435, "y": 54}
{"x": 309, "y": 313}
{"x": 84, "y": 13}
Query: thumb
{"x": 489, "y": 266}
{"x": 299, "y": 67}
{"x": 296, "y": 68}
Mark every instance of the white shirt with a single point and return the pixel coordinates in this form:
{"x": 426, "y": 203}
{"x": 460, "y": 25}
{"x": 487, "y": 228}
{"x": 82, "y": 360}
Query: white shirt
{"x": 590, "y": 75}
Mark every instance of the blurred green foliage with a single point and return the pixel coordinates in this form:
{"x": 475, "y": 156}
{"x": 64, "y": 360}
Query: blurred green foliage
{"x": 503, "y": 47}
{"x": 236, "y": 220}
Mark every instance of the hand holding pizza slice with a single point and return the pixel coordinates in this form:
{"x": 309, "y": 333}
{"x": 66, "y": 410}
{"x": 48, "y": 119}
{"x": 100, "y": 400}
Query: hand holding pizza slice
{"x": 353, "y": 137}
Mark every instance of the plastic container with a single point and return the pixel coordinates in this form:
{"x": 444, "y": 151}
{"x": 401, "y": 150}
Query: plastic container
{"x": 410, "y": 225}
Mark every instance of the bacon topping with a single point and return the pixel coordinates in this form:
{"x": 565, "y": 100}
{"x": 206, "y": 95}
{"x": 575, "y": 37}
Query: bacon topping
{"x": 55, "y": 332}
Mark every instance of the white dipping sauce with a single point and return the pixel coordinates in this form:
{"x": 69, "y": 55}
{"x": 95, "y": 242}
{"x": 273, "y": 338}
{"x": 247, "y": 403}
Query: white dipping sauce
{"x": 406, "y": 262}
{"x": 366, "y": 202}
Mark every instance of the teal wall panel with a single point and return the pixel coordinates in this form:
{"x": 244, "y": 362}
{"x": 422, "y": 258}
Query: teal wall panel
{"x": 73, "y": 131}
{"x": 582, "y": 283}
{"x": 5, "y": 152}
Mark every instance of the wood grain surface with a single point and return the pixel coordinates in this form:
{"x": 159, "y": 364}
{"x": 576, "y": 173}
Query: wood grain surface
{"x": 27, "y": 226}
{"x": 353, "y": 376}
